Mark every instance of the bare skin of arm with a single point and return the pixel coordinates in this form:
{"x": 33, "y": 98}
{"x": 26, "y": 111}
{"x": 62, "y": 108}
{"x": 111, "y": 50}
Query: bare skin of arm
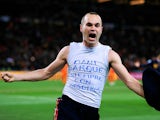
{"x": 124, "y": 75}
{"x": 40, "y": 74}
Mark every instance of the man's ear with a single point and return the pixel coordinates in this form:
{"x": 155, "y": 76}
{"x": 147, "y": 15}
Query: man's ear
{"x": 80, "y": 27}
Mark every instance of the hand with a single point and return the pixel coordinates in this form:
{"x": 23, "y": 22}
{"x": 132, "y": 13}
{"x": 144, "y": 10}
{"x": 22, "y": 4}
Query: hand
{"x": 7, "y": 77}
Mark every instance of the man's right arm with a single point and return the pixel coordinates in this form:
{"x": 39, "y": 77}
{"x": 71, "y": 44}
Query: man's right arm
{"x": 39, "y": 74}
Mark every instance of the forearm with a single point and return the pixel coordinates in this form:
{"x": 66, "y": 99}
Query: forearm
{"x": 130, "y": 81}
{"x": 35, "y": 75}
{"x": 136, "y": 86}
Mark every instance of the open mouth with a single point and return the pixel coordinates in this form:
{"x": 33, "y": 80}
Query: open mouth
{"x": 92, "y": 35}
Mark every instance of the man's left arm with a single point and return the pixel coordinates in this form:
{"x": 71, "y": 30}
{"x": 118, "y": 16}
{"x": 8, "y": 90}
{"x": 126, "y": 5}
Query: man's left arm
{"x": 124, "y": 75}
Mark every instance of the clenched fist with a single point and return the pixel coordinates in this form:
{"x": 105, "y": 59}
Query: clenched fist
{"x": 7, "y": 77}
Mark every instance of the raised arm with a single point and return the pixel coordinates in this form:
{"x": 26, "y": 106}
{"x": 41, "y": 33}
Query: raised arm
{"x": 124, "y": 75}
{"x": 39, "y": 74}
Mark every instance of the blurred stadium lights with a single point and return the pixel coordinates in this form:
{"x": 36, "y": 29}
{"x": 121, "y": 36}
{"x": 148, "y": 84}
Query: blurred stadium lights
{"x": 101, "y": 1}
{"x": 132, "y": 2}
{"x": 136, "y": 2}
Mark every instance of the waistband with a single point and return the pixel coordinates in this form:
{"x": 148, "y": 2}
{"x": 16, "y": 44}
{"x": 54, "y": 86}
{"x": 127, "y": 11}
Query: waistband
{"x": 68, "y": 99}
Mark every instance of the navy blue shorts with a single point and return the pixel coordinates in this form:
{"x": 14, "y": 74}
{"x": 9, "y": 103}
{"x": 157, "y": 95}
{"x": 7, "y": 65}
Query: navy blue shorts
{"x": 68, "y": 109}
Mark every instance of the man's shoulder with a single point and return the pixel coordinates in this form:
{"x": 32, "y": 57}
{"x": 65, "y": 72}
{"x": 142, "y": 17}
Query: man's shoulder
{"x": 105, "y": 46}
{"x": 74, "y": 45}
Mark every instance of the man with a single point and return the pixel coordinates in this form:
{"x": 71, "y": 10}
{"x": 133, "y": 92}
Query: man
{"x": 88, "y": 65}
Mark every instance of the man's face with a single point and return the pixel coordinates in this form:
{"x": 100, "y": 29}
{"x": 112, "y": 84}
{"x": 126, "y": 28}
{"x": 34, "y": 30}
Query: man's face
{"x": 91, "y": 29}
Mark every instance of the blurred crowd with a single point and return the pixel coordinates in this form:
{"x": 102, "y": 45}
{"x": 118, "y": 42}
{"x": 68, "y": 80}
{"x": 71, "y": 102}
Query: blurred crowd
{"x": 28, "y": 42}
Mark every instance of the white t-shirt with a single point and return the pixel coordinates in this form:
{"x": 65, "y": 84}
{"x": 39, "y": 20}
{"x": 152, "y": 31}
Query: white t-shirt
{"x": 87, "y": 73}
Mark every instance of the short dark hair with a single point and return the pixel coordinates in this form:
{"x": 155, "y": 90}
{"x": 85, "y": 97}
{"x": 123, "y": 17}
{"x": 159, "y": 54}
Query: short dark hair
{"x": 92, "y": 13}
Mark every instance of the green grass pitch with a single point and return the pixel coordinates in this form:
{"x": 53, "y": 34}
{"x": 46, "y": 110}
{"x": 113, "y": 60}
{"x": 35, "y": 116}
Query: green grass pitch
{"x": 36, "y": 101}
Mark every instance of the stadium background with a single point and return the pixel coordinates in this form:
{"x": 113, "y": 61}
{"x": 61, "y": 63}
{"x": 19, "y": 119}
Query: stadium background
{"x": 33, "y": 32}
